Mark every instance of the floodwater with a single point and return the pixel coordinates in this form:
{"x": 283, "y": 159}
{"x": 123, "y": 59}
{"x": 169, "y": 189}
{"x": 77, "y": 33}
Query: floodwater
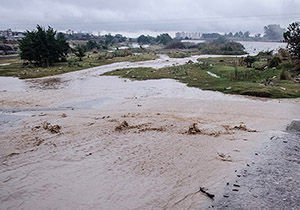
{"x": 152, "y": 164}
{"x": 253, "y": 48}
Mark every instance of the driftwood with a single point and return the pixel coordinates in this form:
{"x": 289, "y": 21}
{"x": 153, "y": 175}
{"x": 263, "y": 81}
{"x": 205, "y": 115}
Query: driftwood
{"x": 203, "y": 190}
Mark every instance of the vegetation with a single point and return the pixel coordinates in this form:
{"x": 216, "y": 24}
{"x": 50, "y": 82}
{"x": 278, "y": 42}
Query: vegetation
{"x": 292, "y": 37}
{"x": 14, "y": 66}
{"x": 235, "y": 77}
{"x": 163, "y": 39}
{"x": 80, "y": 52}
{"x": 179, "y": 54}
{"x": 222, "y": 46}
{"x": 43, "y": 47}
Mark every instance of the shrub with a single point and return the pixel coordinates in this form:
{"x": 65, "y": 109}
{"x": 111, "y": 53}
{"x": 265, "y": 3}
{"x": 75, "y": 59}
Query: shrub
{"x": 274, "y": 62}
{"x": 284, "y": 75}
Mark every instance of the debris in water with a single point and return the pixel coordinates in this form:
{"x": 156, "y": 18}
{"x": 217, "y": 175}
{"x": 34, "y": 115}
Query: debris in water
{"x": 13, "y": 153}
{"x": 224, "y": 157}
{"x": 204, "y": 190}
{"x": 124, "y": 125}
{"x": 64, "y": 115}
{"x": 243, "y": 127}
{"x": 193, "y": 129}
{"x": 51, "y": 128}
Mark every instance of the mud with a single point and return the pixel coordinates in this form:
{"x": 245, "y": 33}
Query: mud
{"x": 151, "y": 163}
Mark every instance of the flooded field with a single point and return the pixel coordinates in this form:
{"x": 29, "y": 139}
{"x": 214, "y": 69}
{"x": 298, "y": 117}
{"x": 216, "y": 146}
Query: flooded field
{"x": 81, "y": 140}
{"x": 253, "y": 47}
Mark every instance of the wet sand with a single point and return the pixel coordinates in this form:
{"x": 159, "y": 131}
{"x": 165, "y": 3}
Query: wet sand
{"x": 153, "y": 163}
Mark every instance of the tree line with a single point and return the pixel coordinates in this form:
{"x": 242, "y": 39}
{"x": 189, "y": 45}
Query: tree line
{"x": 44, "y": 47}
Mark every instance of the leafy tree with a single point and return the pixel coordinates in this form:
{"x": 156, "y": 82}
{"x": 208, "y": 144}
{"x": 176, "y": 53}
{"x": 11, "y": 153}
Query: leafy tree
{"x": 108, "y": 39}
{"x": 143, "y": 39}
{"x": 146, "y": 40}
{"x": 80, "y": 52}
{"x": 247, "y": 34}
{"x": 90, "y": 45}
{"x": 273, "y": 32}
{"x": 43, "y": 47}
{"x": 163, "y": 39}
{"x": 292, "y": 37}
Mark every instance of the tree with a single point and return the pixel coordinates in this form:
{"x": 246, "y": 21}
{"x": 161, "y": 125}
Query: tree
{"x": 146, "y": 39}
{"x": 43, "y": 47}
{"x": 292, "y": 37}
{"x": 164, "y": 39}
{"x": 90, "y": 45}
{"x": 143, "y": 39}
{"x": 80, "y": 52}
{"x": 247, "y": 34}
{"x": 273, "y": 32}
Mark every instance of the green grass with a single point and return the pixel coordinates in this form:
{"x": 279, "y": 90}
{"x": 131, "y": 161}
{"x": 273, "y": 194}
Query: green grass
{"x": 16, "y": 69}
{"x": 179, "y": 54}
{"x": 234, "y": 79}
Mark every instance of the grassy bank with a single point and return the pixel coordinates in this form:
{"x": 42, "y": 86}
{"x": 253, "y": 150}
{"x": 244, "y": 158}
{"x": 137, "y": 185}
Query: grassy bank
{"x": 13, "y": 66}
{"x": 233, "y": 79}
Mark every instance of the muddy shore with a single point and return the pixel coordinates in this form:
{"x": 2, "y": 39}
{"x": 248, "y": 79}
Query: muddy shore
{"x": 65, "y": 144}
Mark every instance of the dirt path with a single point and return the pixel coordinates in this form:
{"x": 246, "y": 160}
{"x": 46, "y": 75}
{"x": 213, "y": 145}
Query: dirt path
{"x": 89, "y": 142}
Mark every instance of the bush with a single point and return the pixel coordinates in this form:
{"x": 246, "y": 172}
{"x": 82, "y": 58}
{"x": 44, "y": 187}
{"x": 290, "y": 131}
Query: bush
{"x": 222, "y": 46}
{"x": 274, "y": 62}
{"x": 284, "y": 75}
{"x": 249, "y": 60}
{"x": 175, "y": 45}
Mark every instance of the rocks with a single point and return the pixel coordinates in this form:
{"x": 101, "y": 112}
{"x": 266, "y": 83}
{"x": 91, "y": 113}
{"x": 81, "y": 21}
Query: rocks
{"x": 294, "y": 126}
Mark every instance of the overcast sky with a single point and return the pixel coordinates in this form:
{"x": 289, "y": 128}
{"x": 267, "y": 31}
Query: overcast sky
{"x": 148, "y": 15}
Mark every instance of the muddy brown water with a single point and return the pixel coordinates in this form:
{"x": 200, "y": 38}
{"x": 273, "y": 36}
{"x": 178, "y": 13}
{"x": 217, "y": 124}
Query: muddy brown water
{"x": 89, "y": 165}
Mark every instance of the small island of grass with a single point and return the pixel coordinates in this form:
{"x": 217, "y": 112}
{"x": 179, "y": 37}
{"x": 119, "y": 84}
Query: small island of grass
{"x": 228, "y": 75}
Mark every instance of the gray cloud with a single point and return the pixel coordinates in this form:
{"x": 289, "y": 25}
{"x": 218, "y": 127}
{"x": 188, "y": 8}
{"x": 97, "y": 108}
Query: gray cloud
{"x": 150, "y": 15}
